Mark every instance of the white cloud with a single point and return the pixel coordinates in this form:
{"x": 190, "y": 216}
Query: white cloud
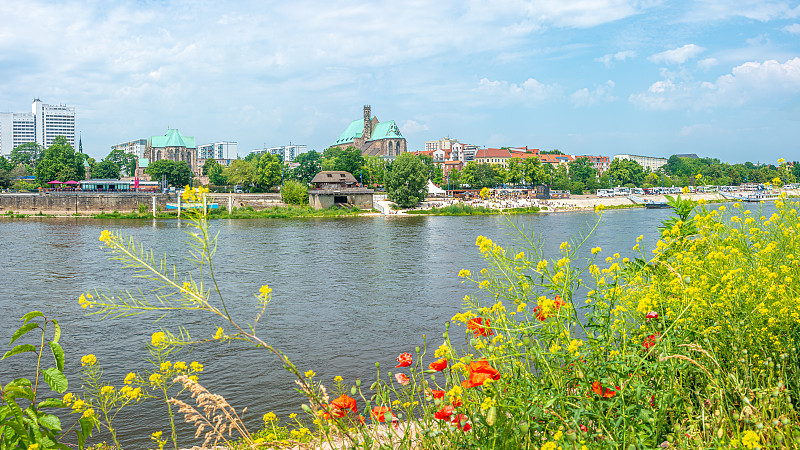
{"x": 585, "y": 97}
{"x": 793, "y": 28}
{"x": 532, "y": 14}
{"x": 412, "y": 126}
{"x": 768, "y": 82}
{"x": 608, "y": 59}
{"x": 677, "y": 56}
{"x": 761, "y": 10}
{"x": 707, "y": 63}
{"x": 531, "y": 90}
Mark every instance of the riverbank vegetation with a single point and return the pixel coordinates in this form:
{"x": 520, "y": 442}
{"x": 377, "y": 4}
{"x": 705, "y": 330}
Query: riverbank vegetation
{"x": 462, "y": 209}
{"x": 691, "y": 344}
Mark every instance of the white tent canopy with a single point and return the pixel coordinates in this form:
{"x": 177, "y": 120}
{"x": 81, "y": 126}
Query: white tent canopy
{"x": 435, "y": 190}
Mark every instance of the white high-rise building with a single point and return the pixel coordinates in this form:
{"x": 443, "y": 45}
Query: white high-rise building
{"x": 16, "y": 129}
{"x": 41, "y": 125}
{"x": 135, "y": 147}
{"x": 286, "y": 152}
{"x": 218, "y": 150}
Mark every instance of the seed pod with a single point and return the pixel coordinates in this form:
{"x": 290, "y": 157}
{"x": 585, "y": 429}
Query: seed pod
{"x": 377, "y": 365}
{"x": 417, "y": 349}
{"x": 526, "y": 341}
{"x": 358, "y": 382}
{"x": 306, "y": 408}
{"x": 523, "y": 427}
{"x": 353, "y": 390}
{"x": 491, "y": 416}
{"x": 570, "y": 436}
{"x": 374, "y": 386}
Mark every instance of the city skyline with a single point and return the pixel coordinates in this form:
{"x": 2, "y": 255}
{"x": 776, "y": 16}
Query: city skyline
{"x": 716, "y": 78}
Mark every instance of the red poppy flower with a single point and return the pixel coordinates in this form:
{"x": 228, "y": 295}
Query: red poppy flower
{"x": 601, "y": 391}
{"x": 404, "y": 360}
{"x": 439, "y": 365}
{"x": 650, "y": 341}
{"x": 479, "y": 372}
{"x": 651, "y": 315}
{"x": 460, "y": 421}
{"x": 480, "y": 327}
{"x": 361, "y": 420}
{"x": 542, "y": 315}
{"x": 435, "y": 393}
{"x": 584, "y": 428}
{"x": 456, "y": 402}
{"x": 402, "y": 378}
{"x": 345, "y": 402}
{"x": 444, "y": 413}
{"x": 379, "y": 413}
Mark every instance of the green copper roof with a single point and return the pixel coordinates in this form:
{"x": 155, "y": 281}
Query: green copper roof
{"x": 144, "y": 162}
{"x": 353, "y": 131}
{"x": 385, "y": 130}
{"x": 173, "y": 138}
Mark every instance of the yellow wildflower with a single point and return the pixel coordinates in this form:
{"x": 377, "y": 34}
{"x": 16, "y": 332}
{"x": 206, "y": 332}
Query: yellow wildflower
{"x": 269, "y": 417}
{"x": 78, "y": 405}
{"x": 180, "y": 366}
{"x": 310, "y": 374}
{"x": 549, "y": 446}
{"x": 264, "y": 291}
{"x": 106, "y": 390}
{"x": 219, "y": 334}
{"x": 68, "y": 398}
{"x": 88, "y": 360}
{"x": 338, "y": 378}
{"x": 129, "y": 378}
{"x": 88, "y": 413}
{"x": 464, "y": 273}
{"x": 158, "y": 339}
{"x": 105, "y": 236}
{"x": 155, "y": 378}
{"x": 196, "y": 366}
{"x": 750, "y": 439}
{"x": 165, "y": 366}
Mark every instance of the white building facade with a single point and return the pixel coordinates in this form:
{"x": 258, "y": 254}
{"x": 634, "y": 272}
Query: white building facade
{"x": 41, "y": 125}
{"x": 218, "y": 150}
{"x": 286, "y": 152}
{"x": 135, "y": 147}
{"x": 650, "y": 163}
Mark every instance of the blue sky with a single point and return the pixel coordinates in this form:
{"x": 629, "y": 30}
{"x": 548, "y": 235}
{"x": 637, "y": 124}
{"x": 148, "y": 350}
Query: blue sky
{"x": 716, "y": 78}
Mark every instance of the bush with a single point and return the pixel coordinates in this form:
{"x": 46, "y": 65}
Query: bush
{"x": 294, "y": 193}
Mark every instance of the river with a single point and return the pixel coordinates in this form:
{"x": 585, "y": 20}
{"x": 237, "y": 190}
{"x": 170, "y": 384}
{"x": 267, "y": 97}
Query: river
{"x": 346, "y": 293}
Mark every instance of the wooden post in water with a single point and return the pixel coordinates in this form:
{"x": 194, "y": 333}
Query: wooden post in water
{"x": 179, "y": 206}
{"x": 154, "y": 206}
{"x": 230, "y": 204}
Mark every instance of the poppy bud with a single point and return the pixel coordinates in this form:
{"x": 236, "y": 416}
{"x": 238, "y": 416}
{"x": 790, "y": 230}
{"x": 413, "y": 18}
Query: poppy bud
{"x": 491, "y": 416}
{"x": 524, "y": 427}
{"x": 527, "y": 341}
{"x": 358, "y": 382}
{"x": 417, "y": 349}
{"x": 377, "y": 365}
{"x": 353, "y": 390}
{"x": 373, "y": 386}
{"x": 570, "y": 436}
{"x": 433, "y": 377}
{"x": 306, "y": 408}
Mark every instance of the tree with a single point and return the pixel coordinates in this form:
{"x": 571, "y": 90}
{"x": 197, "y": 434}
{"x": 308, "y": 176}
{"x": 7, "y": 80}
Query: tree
{"x": 407, "y": 180}
{"x": 29, "y": 154}
{"x": 625, "y": 172}
{"x": 177, "y": 173}
{"x": 268, "y": 170}
{"x": 105, "y": 169}
{"x": 5, "y": 172}
{"x": 213, "y": 170}
{"x": 478, "y": 175}
{"x": 240, "y": 172}
{"x": 551, "y": 152}
{"x": 60, "y": 162}
{"x": 581, "y": 170}
{"x": 124, "y": 160}
{"x": 294, "y": 193}
{"x": 349, "y": 160}
{"x": 534, "y": 172}
{"x": 374, "y": 170}
{"x": 310, "y": 166}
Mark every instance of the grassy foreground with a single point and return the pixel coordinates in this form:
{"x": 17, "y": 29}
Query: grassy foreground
{"x": 692, "y": 344}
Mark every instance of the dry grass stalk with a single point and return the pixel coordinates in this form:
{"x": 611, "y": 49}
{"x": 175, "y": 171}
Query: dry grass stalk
{"x": 218, "y": 415}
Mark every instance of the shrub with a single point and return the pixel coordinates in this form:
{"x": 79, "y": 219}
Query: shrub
{"x": 294, "y": 193}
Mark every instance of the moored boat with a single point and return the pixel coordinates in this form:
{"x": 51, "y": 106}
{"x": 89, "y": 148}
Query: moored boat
{"x": 648, "y": 203}
{"x": 762, "y": 196}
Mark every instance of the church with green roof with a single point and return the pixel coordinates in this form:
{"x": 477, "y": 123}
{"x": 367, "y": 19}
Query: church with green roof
{"x": 173, "y": 146}
{"x": 372, "y": 137}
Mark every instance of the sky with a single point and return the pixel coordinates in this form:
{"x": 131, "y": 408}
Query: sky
{"x": 719, "y": 78}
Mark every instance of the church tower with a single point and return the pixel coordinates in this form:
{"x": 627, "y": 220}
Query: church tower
{"x": 367, "y": 122}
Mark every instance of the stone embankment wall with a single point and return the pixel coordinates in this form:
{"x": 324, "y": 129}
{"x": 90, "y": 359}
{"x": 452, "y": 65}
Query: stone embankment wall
{"x": 62, "y": 203}
{"x": 256, "y": 201}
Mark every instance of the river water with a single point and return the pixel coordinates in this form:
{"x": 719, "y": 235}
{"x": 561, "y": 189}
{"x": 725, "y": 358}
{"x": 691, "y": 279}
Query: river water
{"x": 346, "y": 293}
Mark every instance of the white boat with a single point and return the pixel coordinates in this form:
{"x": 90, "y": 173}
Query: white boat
{"x": 192, "y": 205}
{"x": 761, "y": 196}
{"x": 648, "y": 203}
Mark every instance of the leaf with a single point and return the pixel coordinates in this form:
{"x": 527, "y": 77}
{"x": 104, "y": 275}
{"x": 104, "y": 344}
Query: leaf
{"x": 22, "y": 330}
{"x": 31, "y": 315}
{"x": 58, "y": 355}
{"x": 55, "y": 379}
{"x": 19, "y": 391}
{"x": 50, "y": 421}
{"x": 52, "y": 403}
{"x": 86, "y": 426}
{"x": 22, "y": 348}
{"x": 57, "y": 335}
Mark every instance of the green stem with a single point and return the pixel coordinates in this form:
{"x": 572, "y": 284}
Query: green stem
{"x": 38, "y": 364}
